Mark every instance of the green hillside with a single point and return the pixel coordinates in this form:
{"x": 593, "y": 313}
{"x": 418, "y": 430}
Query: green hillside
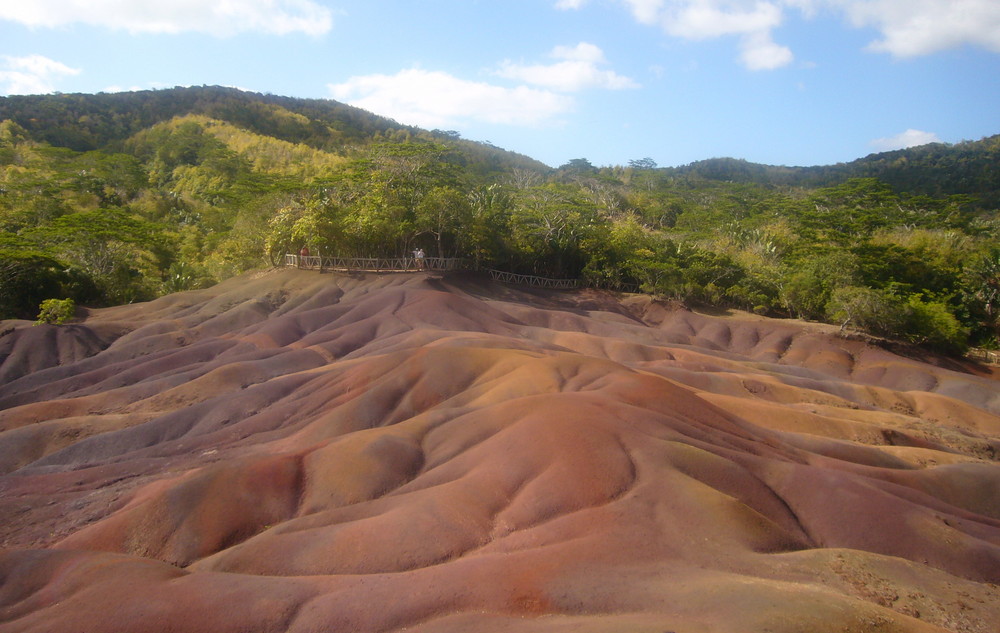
{"x": 113, "y": 198}
{"x": 936, "y": 169}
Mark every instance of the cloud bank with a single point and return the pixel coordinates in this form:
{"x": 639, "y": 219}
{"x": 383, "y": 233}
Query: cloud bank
{"x": 32, "y": 74}
{"x": 578, "y": 69}
{"x": 908, "y": 28}
{"x": 277, "y": 17}
{"x": 903, "y": 140}
{"x": 438, "y": 99}
{"x": 911, "y": 28}
{"x": 434, "y": 99}
{"x": 750, "y": 21}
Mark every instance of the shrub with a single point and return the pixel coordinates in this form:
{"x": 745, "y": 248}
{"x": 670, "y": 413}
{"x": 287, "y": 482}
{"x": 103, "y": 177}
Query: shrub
{"x": 56, "y": 311}
{"x": 932, "y": 324}
{"x": 869, "y": 310}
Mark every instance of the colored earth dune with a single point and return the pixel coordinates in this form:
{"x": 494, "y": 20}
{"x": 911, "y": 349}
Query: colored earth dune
{"x": 295, "y": 451}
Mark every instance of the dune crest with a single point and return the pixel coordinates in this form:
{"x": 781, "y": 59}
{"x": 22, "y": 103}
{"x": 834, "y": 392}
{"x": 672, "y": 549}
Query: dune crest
{"x": 291, "y": 451}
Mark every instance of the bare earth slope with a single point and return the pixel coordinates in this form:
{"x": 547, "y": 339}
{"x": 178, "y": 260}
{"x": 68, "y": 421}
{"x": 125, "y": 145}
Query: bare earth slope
{"x": 301, "y": 452}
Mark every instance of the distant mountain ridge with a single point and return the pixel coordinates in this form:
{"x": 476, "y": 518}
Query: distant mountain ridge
{"x": 935, "y": 169}
{"x": 85, "y": 122}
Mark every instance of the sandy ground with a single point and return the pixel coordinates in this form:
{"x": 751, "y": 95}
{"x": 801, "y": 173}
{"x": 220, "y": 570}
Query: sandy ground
{"x": 295, "y": 451}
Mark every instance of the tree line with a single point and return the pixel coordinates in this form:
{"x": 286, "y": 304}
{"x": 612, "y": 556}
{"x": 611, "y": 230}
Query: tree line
{"x": 167, "y": 203}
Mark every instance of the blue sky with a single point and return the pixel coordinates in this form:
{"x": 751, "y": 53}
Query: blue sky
{"x": 782, "y": 82}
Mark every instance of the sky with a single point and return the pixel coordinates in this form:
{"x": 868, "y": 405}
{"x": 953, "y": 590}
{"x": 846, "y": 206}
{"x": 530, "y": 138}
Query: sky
{"x": 779, "y": 82}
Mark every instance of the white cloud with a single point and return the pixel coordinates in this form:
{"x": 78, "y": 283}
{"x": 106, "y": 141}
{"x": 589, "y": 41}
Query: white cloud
{"x": 919, "y": 27}
{"x": 909, "y": 138}
{"x": 582, "y": 52}
{"x": 703, "y": 19}
{"x": 759, "y": 52}
{"x": 908, "y": 27}
{"x": 646, "y": 11}
{"x": 433, "y": 99}
{"x": 33, "y": 74}
{"x": 116, "y": 89}
{"x": 569, "y": 4}
{"x": 222, "y": 18}
{"x": 752, "y": 21}
{"x": 578, "y": 70}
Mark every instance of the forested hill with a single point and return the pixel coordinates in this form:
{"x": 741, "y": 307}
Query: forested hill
{"x": 104, "y": 121}
{"x": 89, "y": 122}
{"x": 935, "y": 169}
{"x": 85, "y": 122}
{"x": 114, "y": 198}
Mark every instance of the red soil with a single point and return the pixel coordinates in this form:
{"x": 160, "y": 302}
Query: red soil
{"x": 300, "y": 452}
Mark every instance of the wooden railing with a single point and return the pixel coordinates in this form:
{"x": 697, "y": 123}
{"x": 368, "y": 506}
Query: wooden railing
{"x": 373, "y": 264}
{"x": 985, "y": 355}
{"x": 410, "y": 264}
{"x": 531, "y": 280}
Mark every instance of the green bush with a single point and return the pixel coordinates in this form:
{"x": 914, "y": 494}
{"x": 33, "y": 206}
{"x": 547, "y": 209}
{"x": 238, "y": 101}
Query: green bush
{"x": 913, "y": 319}
{"x": 873, "y": 311}
{"x": 56, "y": 311}
{"x": 933, "y": 324}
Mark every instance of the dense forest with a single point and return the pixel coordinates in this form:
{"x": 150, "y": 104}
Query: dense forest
{"x": 113, "y": 198}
